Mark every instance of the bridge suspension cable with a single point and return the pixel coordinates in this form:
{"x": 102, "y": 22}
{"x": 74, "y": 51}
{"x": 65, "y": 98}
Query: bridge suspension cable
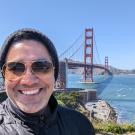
{"x": 96, "y": 49}
{"x": 71, "y": 46}
{"x": 76, "y": 50}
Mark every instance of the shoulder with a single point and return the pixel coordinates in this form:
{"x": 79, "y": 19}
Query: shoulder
{"x": 2, "y": 112}
{"x": 70, "y": 112}
{"x": 2, "y": 109}
{"x": 76, "y": 118}
{"x": 4, "y": 115}
{"x": 7, "y": 125}
{"x": 67, "y": 112}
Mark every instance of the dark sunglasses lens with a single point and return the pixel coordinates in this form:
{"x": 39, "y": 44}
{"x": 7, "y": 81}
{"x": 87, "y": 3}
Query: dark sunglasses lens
{"x": 41, "y": 66}
{"x": 16, "y": 67}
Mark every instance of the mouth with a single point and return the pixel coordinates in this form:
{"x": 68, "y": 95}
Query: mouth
{"x": 30, "y": 91}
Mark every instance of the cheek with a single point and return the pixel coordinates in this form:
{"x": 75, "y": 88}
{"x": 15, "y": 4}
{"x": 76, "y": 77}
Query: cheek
{"x": 50, "y": 80}
{"x": 10, "y": 84}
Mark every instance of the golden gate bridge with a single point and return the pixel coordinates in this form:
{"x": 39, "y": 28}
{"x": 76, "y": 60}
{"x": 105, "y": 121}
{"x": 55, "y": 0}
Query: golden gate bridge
{"x": 88, "y": 64}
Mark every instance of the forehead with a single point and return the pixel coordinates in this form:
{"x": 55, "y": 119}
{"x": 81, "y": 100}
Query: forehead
{"x": 27, "y": 50}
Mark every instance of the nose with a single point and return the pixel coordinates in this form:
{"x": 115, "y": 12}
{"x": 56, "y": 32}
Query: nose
{"x": 29, "y": 78}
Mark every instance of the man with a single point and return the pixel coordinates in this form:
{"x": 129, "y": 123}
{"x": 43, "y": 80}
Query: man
{"x": 29, "y": 65}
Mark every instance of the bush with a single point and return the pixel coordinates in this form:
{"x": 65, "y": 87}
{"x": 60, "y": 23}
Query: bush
{"x": 128, "y": 127}
{"x": 113, "y": 127}
{"x": 60, "y": 103}
{"x": 68, "y": 98}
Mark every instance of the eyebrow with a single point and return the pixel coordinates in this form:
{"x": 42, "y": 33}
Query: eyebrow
{"x": 21, "y": 60}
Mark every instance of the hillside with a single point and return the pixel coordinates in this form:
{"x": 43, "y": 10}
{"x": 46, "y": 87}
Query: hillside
{"x": 121, "y": 71}
{"x": 114, "y": 70}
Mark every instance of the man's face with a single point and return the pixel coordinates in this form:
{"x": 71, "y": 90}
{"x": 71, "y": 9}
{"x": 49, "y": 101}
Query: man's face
{"x": 30, "y": 92}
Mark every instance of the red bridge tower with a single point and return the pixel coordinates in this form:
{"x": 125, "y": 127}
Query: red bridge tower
{"x": 106, "y": 62}
{"x": 88, "y": 53}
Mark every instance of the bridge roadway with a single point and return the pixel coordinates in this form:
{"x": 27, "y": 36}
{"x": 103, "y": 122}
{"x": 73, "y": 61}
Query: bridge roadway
{"x": 64, "y": 65}
{"x": 81, "y": 64}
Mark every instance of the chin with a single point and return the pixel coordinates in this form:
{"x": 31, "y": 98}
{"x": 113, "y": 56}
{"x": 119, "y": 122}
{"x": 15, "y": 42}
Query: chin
{"x": 30, "y": 108}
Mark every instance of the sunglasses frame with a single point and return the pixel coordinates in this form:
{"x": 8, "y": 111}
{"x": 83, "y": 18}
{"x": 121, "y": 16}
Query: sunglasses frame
{"x": 51, "y": 67}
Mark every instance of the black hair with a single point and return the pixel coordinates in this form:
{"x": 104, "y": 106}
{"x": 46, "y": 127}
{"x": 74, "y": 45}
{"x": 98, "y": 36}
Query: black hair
{"x": 29, "y": 34}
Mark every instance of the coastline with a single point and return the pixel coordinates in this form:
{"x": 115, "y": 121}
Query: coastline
{"x": 101, "y": 110}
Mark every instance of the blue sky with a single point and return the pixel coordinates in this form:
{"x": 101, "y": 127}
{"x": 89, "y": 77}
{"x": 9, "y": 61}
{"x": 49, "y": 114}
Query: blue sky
{"x": 64, "y": 20}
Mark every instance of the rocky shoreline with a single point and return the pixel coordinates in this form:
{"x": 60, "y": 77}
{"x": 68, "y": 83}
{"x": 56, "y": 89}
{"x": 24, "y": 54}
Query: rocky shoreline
{"x": 101, "y": 110}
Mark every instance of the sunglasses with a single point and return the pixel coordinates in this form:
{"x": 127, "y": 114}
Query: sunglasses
{"x": 15, "y": 70}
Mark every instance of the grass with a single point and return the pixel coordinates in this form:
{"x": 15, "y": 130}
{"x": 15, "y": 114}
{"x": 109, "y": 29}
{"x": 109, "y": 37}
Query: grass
{"x": 112, "y": 127}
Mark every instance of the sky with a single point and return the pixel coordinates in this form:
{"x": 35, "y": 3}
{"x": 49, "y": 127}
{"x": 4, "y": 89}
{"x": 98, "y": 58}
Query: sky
{"x": 63, "y": 21}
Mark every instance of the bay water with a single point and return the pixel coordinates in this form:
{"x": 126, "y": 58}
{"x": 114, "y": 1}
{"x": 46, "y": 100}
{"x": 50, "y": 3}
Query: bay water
{"x": 117, "y": 90}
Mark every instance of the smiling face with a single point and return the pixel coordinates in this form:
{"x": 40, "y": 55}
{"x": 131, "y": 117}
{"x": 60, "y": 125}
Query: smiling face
{"x": 29, "y": 92}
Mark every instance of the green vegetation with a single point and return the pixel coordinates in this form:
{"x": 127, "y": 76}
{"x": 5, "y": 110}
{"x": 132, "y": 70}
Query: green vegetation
{"x": 72, "y": 100}
{"x": 69, "y": 99}
{"x": 113, "y": 127}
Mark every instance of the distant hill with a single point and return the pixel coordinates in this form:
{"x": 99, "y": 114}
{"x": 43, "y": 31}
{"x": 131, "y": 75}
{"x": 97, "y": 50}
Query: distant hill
{"x": 114, "y": 70}
{"x": 121, "y": 71}
{"x": 98, "y": 71}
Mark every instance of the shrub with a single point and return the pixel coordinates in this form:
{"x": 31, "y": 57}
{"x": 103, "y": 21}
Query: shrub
{"x": 70, "y": 99}
{"x": 128, "y": 127}
{"x": 113, "y": 128}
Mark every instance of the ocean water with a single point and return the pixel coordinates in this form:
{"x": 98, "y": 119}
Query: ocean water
{"x": 118, "y": 90}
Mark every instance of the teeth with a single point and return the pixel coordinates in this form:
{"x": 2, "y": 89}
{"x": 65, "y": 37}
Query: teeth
{"x": 30, "y": 92}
